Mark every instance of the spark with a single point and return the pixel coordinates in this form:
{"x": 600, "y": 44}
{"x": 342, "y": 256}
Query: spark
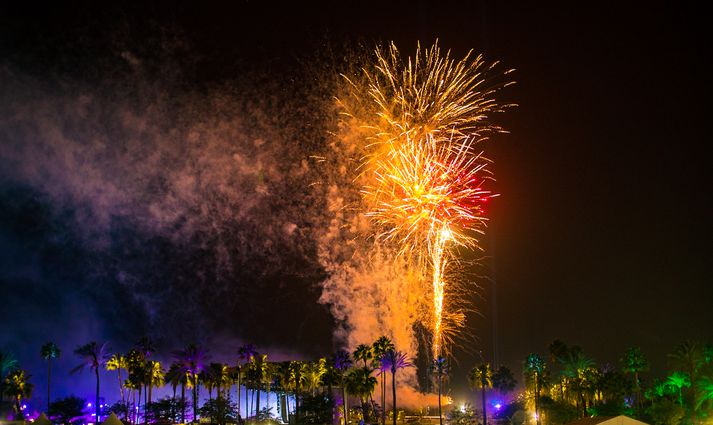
{"x": 424, "y": 183}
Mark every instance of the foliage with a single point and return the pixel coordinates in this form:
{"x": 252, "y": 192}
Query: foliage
{"x": 67, "y": 410}
{"x": 316, "y": 409}
{"x": 164, "y": 411}
{"x": 503, "y": 380}
{"x": 665, "y": 412}
{"x": 511, "y": 414}
{"x": 462, "y": 416}
{"x": 220, "y": 410}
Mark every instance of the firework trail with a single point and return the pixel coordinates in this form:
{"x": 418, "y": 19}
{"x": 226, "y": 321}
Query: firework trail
{"x": 423, "y": 182}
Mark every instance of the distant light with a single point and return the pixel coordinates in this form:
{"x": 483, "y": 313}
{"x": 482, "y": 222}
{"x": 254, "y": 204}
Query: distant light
{"x": 498, "y": 406}
{"x": 89, "y": 404}
{"x": 534, "y": 416}
{"x": 462, "y": 408}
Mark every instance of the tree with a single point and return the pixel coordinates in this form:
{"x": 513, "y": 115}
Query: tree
{"x": 576, "y": 367}
{"x": 68, "y": 410}
{"x": 439, "y": 368}
{"x": 175, "y": 376}
{"x": 154, "y": 376}
{"x": 193, "y": 359}
{"x": 341, "y": 362}
{"x": 481, "y": 377}
{"x": 395, "y": 360}
{"x": 360, "y": 383}
{"x": 7, "y": 363}
{"x": 48, "y": 352}
{"x": 17, "y": 386}
{"x": 162, "y": 411}
{"x": 504, "y": 380}
{"x": 678, "y": 381}
{"x": 379, "y": 348}
{"x": 220, "y": 411}
{"x": 690, "y": 358}
{"x": 245, "y": 356}
{"x": 118, "y": 362}
{"x": 634, "y": 362}
{"x": 364, "y": 353}
{"x": 314, "y": 372}
{"x": 534, "y": 368}
{"x": 94, "y": 357}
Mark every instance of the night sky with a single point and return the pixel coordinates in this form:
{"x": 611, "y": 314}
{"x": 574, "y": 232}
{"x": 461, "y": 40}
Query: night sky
{"x": 601, "y": 235}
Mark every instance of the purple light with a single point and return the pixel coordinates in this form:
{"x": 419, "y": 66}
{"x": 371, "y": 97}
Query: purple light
{"x": 498, "y": 406}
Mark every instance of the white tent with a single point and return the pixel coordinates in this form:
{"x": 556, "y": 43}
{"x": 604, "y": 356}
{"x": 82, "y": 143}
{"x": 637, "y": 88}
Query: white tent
{"x": 42, "y": 420}
{"x": 112, "y": 420}
{"x": 608, "y": 420}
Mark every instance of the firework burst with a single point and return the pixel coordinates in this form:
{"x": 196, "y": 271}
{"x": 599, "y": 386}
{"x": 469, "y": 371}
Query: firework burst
{"x": 423, "y": 182}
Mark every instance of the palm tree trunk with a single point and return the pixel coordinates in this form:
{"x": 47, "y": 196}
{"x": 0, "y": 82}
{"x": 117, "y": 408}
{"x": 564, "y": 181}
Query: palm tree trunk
{"x": 121, "y": 384}
{"x": 485, "y": 412}
{"x": 195, "y": 398}
{"x": 440, "y": 415}
{"x": 537, "y": 399}
{"x": 383, "y": 399}
{"x": 49, "y": 381}
{"x": 239, "y": 410}
{"x": 247, "y": 408}
{"x": 146, "y": 404}
{"x": 345, "y": 404}
{"x": 98, "y": 418}
{"x": 183, "y": 403}
{"x": 393, "y": 393}
{"x": 174, "y": 413}
{"x": 257, "y": 406}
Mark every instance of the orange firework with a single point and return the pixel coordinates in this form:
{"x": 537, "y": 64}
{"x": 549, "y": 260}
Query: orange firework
{"x": 423, "y": 181}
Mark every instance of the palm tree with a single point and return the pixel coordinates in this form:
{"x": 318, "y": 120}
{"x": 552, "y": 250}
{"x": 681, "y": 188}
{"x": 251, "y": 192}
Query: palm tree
{"x": 48, "y": 352}
{"x": 18, "y": 387}
{"x": 117, "y": 362}
{"x": 245, "y": 356}
{"x": 94, "y": 357}
{"x": 132, "y": 388}
{"x": 634, "y": 362}
{"x": 439, "y": 368}
{"x": 360, "y": 383}
{"x": 395, "y": 360}
{"x": 259, "y": 367}
{"x": 154, "y": 376}
{"x": 689, "y": 358}
{"x": 175, "y": 376}
{"x": 576, "y": 367}
{"x": 193, "y": 359}
{"x": 7, "y": 363}
{"x": 678, "y": 381}
{"x": 314, "y": 373}
{"x": 363, "y": 352}
{"x": 481, "y": 377}
{"x": 379, "y": 349}
{"x": 137, "y": 380}
{"x": 705, "y": 385}
{"x": 534, "y": 368}
{"x": 341, "y": 362}
{"x": 504, "y": 380}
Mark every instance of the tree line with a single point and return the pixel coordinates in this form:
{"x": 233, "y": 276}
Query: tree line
{"x": 558, "y": 388}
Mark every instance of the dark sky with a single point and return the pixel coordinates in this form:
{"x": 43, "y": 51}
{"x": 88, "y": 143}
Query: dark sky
{"x": 601, "y": 236}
